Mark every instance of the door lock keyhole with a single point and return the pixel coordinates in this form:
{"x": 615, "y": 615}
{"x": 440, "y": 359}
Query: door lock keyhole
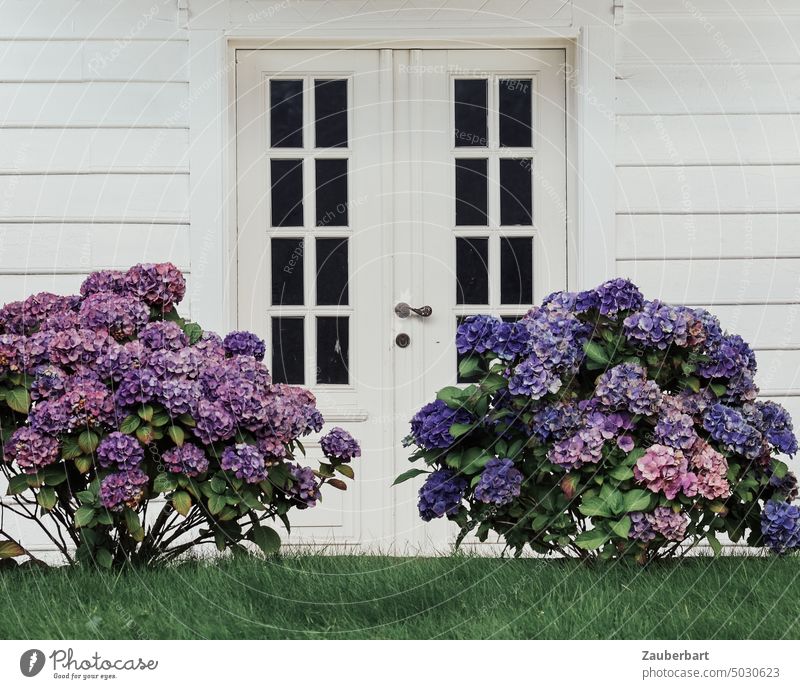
{"x": 402, "y": 340}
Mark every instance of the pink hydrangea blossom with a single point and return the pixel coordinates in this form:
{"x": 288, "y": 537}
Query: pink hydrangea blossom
{"x": 665, "y": 469}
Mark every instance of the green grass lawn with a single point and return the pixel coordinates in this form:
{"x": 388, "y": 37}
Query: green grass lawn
{"x": 309, "y": 597}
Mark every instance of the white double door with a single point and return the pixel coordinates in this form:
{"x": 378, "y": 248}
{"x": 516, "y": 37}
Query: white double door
{"x": 370, "y": 178}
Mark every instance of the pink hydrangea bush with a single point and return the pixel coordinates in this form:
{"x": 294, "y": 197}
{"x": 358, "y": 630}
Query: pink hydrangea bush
{"x": 602, "y": 425}
{"x": 111, "y": 400}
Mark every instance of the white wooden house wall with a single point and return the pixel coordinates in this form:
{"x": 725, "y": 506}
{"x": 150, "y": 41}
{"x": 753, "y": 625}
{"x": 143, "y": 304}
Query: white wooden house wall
{"x": 708, "y": 168}
{"x": 97, "y": 105}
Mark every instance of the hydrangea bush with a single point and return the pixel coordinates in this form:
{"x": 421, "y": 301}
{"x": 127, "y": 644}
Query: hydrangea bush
{"x": 109, "y": 400}
{"x": 602, "y": 425}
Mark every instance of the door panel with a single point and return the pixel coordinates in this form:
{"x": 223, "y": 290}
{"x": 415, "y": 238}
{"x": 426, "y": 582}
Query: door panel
{"x": 311, "y": 256}
{"x": 485, "y": 225}
{"x": 366, "y": 178}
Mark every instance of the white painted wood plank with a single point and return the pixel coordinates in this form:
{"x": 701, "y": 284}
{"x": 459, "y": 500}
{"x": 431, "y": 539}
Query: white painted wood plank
{"x": 58, "y": 19}
{"x": 86, "y": 247}
{"x": 160, "y": 60}
{"x": 716, "y": 281}
{"x": 707, "y": 88}
{"x": 126, "y": 196}
{"x": 726, "y": 39}
{"x": 767, "y": 327}
{"x": 701, "y": 8}
{"x": 128, "y": 104}
{"x": 708, "y": 189}
{"x": 708, "y": 139}
{"x": 778, "y": 370}
{"x": 707, "y": 236}
{"x": 253, "y": 13}
{"x": 88, "y": 150}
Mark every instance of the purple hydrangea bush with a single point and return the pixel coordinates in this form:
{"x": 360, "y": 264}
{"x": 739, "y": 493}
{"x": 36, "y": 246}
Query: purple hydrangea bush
{"x": 603, "y": 425}
{"x": 110, "y": 400}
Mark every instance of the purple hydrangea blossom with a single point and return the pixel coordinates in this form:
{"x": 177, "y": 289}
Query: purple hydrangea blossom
{"x": 104, "y": 281}
{"x": 509, "y": 340}
{"x": 533, "y": 378}
{"x": 31, "y": 450}
{"x": 210, "y": 344}
{"x": 618, "y": 295}
{"x": 160, "y": 285}
{"x": 36, "y": 349}
{"x": 780, "y": 526}
{"x": 214, "y": 422}
{"x": 338, "y": 445}
{"x": 729, "y": 357}
{"x": 641, "y": 527}
{"x": 121, "y": 315}
{"x": 304, "y": 486}
{"x": 555, "y": 421}
{"x": 87, "y": 403}
{"x": 712, "y": 330}
{"x": 664, "y": 469}
{"x": 117, "y": 359}
{"x": 583, "y": 447}
{"x": 119, "y": 451}
{"x": 475, "y": 334}
{"x": 50, "y": 417}
{"x": 163, "y": 335}
{"x": 777, "y": 427}
{"x": 187, "y": 362}
{"x": 244, "y": 343}
{"x": 11, "y": 319}
{"x": 626, "y": 387}
{"x": 576, "y": 302}
{"x": 49, "y": 382}
{"x": 674, "y": 428}
{"x": 669, "y": 524}
{"x": 188, "y": 459}
{"x": 728, "y": 426}
{"x": 138, "y": 386}
{"x": 661, "y": 325}
{"x": 499, "y": 483}
{"x": 430, "y": 426}
{"x": 11, "y": 351}
{"x": 83, "y": 347}
{"x": 245, "y": 462}
{"x": 124, "y": 489}
{"x": 178, "y": 395}
{"x": 37, "y": 308}
{"x": 441, "y": 494}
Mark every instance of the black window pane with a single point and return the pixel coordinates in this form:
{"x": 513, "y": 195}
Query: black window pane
{"x": 286, "y": 113}
{"x": 330, "y": 116}
{"x": 515, "y": 112}
{"x": 472, "y": 270}
{"x": 287, "y": 271}
{"x": 287, "y": 193}
{"x": 516, "y": 206}
{"x": 331, "y": 183}
{"x": 470, "y": 112}
{"x": 471, "y": 192}
{"x": 332, "y": 272}
{"x": 333, "y": 343}
{"x": 287, "y": 350}
{"x": 516, "y": 270}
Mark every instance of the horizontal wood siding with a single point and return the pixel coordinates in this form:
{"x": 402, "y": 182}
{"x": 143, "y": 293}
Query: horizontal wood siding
{"x": 708, "y": 168}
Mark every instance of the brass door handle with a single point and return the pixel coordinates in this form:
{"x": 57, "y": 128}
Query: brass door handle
{"x": 403, "y": 310}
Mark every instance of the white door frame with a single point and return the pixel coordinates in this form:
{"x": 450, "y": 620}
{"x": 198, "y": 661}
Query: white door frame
{"x": 591, "y": 177}
{"x": 213, "y": 39}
